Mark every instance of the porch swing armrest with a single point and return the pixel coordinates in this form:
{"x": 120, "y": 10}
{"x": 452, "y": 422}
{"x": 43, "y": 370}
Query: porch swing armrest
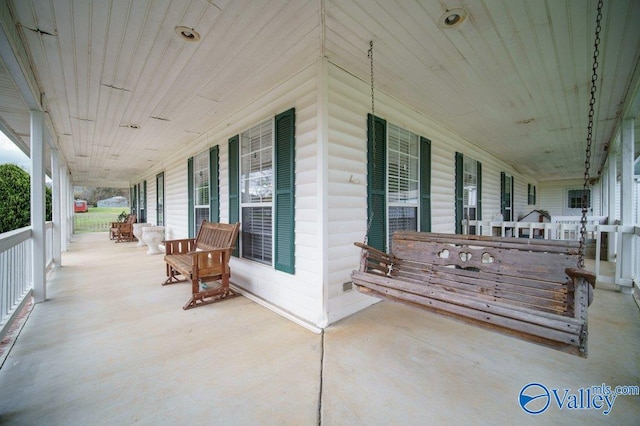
{"x": 374, "y": 260}
{"x": 574, "y": 273}
{"x": 579, "y": 276}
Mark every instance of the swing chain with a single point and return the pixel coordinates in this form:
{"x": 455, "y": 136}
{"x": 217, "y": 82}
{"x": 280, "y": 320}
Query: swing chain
{"x": 587, "y": 162}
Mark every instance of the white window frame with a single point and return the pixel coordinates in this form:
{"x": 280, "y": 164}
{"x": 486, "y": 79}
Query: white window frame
{"x": 245, "y": 187}
{"x": 411, "y": 198}
{"x": 200, "y": 170}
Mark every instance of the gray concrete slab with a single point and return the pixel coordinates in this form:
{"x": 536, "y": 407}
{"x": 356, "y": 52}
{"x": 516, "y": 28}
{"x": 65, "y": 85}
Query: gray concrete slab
{"x": 112, "y": 346}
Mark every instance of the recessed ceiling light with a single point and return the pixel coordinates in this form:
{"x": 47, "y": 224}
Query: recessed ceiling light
{"x": 188, "y": 34}
{"x": 452, "y": 18}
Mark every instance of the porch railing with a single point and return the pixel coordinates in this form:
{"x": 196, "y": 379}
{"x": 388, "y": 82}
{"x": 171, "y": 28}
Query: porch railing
{"x": 16, "y": 276}
{"x": 568, "y": 228}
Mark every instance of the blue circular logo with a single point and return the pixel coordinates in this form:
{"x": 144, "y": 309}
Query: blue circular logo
{"x": 534, "y": 398}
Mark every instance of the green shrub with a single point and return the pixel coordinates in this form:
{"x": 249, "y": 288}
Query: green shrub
{"x": 15, "y": 198}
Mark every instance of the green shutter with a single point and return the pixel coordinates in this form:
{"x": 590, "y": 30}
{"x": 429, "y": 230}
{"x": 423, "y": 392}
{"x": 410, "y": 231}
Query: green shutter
{"x": 131, "y": 201}
{"x": 376, "y": 182}
{"x": 191, "y": 207}
{"x": 479, "y": 211}
{"x": 214, "y": 185}
{"x": 284, "y": 202}
{"x": 459, "y": 192}
{"x": 535, "y": 200}
{"x": 234, "y": 186}
{"x": 503, "y": 194}
{"x": 425, "y": 185}
{"x": 143, "y": 201}
{"x": 159, "y": 213}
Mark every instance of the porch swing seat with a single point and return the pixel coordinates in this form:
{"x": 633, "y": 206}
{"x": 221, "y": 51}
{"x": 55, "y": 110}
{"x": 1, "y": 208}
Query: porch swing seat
{"x": 523, "y": 287}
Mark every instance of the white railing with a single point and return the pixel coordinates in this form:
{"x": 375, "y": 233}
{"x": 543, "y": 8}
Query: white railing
{"x": 16, "y": 274}
{"x": 568, "y": 228}
{"x": 16, "y": 281}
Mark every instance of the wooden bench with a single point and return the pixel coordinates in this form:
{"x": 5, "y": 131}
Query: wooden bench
{"x": 203, "y": 260}
{"x": 524, "y": 287}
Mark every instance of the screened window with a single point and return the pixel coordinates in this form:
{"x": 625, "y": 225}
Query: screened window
{"x": 507, "y": 197}
{"x": 575, "y": 198}
{"x": 531, "y": 194}
{"x": 402, "y": 181}
{"x": 470, "y": 190}
{"x": 256, "y": 192}
{"x": 200, "y": 189}
{"x": 160, "y": 199}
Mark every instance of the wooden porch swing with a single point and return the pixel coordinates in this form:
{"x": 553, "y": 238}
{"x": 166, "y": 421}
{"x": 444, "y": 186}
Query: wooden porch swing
{"x": 527, "y": 288}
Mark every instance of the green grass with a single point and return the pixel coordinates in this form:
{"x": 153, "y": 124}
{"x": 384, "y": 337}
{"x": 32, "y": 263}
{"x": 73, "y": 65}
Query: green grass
{"x": 97, "y": 219}
{"x": 107, "y": 210}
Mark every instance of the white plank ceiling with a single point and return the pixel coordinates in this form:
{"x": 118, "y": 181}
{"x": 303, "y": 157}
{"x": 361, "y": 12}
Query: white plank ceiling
{"x": 124, "y": 91}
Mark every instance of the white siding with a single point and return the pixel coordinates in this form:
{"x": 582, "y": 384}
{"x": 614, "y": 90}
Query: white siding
{"x": 349, "y": 104}
{"x": 298, "y": 295}
{"x": 336, "y": 172}
{"x": 553, "y": 197}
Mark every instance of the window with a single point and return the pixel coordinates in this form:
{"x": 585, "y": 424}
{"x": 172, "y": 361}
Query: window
{"x": 262, "y": 191}
{"x": 506, "y": 201}
{"x": 398, "y": 182}
{"x": 402, "y": 181}
{"x": 203, "y": 189}
{"x": 468, "y": 195}
{"x": 142, "y": 198}
{"x": 200, "y": 189}
{"x": 160, "y": 199}
{"x": 531, "y": 195}
{"x": 256, "y": 192}
{"x": 575, "y": 197}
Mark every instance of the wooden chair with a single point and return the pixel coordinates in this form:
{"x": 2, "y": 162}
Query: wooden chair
{"x": 123, "y": 231}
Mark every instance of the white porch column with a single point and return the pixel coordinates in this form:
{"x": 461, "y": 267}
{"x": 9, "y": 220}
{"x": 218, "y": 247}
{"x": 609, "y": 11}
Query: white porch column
{"x": 626, "y": 206}
{"x": 612, "y": 176}
{"x": 38, "y": 213}
{"x": 56, "y": 201}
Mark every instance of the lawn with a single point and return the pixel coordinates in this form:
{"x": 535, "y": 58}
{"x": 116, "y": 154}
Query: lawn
{"x": 97, "y": 219}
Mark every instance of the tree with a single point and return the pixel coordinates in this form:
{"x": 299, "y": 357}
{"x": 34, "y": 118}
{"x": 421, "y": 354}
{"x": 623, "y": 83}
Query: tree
{"x": 15, "y": 198}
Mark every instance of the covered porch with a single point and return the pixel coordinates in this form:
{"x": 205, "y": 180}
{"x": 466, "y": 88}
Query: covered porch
{"x": 112, "y": 346}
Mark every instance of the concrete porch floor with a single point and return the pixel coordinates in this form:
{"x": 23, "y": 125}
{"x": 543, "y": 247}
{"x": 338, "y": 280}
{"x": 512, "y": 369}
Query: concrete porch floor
{"x": 111, "y": 346}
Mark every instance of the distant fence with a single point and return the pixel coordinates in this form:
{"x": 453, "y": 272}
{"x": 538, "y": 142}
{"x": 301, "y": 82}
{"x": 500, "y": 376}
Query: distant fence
{"x": 94, "y": 222}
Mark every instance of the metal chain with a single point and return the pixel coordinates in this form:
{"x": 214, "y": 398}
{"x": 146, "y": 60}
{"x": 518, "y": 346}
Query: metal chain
{"x": 587, "y": 162}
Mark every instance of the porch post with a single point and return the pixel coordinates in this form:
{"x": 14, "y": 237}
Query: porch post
{"x": 626, "y": 207}
{"x": 56, "y": 205}
{"x": 611, "y": 193}
{"x": 38, "y": 213}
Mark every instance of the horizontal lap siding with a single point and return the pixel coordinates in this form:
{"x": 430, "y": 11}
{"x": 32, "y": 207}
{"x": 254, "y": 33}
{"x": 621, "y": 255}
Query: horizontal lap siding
{"x": 299, "y": 294}
{"x": 176, "y": 202}
{"x": 349, "y": 104}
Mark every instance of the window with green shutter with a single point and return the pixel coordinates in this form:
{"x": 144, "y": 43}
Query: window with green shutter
{"x": 203, "y": 189}
{"x": 468, "y": 192}
{"x": 160, "y": 199}
{"x": 262, "y": 191}
{"x": 506, "y": 196}
{"x": 399, "y": 182}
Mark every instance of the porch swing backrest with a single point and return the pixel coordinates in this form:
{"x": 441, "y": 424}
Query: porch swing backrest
{"x": 523, "y": 287}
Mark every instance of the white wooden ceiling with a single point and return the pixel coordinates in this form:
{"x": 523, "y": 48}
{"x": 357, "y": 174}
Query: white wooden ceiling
{"x": 123, "y": 91}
